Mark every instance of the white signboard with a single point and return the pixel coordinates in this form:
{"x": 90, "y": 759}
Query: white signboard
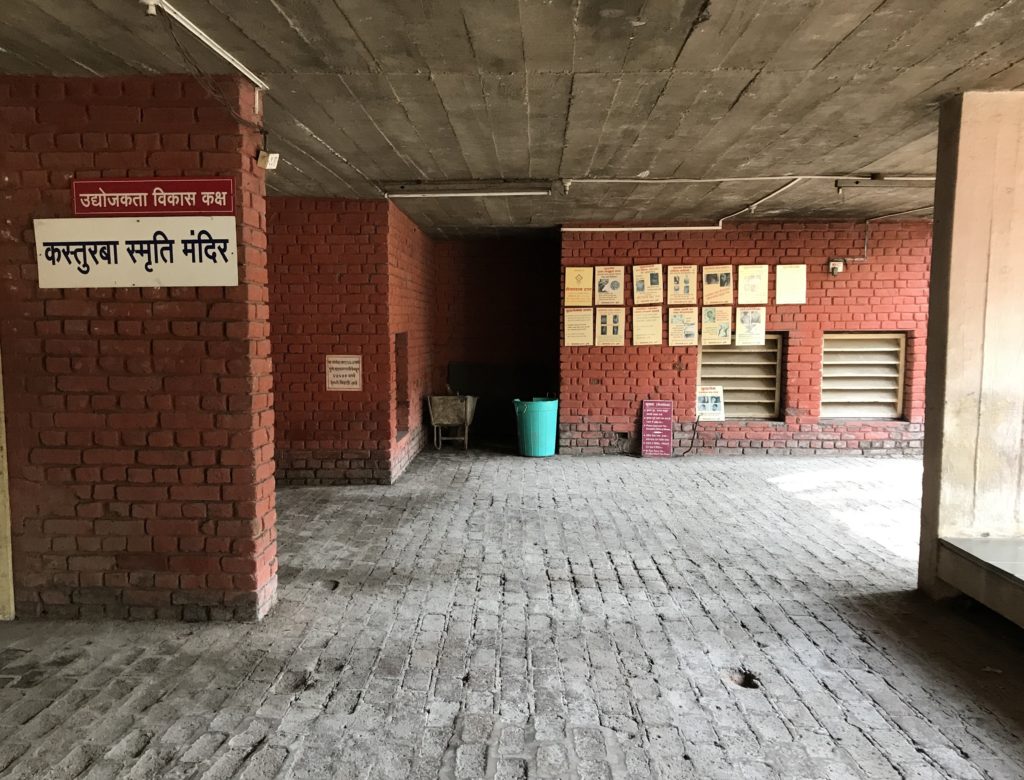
{"x": 137, "y": 252}
{"x": 344, "y": 372}
{"x": 710, "y": 403}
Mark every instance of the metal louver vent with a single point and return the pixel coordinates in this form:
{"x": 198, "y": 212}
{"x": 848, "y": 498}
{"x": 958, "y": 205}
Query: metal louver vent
{"x": 750, "y": 378}
{"x": 862, "y": 375}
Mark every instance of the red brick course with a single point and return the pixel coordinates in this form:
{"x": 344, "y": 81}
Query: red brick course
{"x": 411, "y": 310}
{"x": 139, "y": 421}
{"x": 329, "y": 296}
{"x": 345, "y": 277}
{"x": 602, "y": 387}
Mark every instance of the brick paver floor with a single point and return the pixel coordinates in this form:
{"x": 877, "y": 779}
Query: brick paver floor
{"x": 493, "y": 616}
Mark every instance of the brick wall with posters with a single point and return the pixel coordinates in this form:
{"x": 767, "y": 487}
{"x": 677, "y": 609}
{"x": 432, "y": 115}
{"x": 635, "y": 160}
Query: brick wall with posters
{"x": 139, "y": 420}
{"x": 411, "y": 302}
{"x": 328, "y": 261}
{"x": 602, "y": 387}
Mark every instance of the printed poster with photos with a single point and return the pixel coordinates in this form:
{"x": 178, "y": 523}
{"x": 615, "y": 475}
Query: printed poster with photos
{"x": 609, "y": 285}
{"x": 717, "y": 284}
{"x": 682, "y": 327}
{"x": 716, "y": 326}
{"x": 579, "y": 327}
{"x": 611, "y": 327}
{"x": 750, "y": 324}
{"x": 790, "y": 284}
{"x": 682, "y": 285}
{"x": 579, "y": 286}
{"x": 710, "y": 403}
{"x": 752, "y": 284}
{"x": 647, "y": 284}
{"x": 646, "y": 326}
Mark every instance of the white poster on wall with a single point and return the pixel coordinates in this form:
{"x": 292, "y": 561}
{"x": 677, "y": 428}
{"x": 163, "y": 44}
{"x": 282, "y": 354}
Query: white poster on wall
{"x": 137, "y": 252}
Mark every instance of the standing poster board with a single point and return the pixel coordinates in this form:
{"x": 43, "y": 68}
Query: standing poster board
{"x": 656, "y": 429}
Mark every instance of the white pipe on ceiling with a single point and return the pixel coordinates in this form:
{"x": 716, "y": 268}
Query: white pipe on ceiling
{"x": 216, "y": 48}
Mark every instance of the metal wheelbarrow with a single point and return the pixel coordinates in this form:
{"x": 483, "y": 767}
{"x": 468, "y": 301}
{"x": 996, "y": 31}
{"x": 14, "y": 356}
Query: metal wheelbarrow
{"x": 451, "y": 412}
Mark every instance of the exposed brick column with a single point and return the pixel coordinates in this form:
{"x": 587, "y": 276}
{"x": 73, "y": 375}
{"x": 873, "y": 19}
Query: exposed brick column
{"x": 140, "y": 422}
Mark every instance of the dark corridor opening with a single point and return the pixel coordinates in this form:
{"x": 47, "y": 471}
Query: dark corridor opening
{"x": 502, "y": 335}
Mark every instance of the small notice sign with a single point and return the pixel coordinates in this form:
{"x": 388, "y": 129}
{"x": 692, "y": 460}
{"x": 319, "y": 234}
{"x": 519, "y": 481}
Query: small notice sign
{"x": 656, "y": 429}
{"x": 162, "y": 196}
{"x": 710, "y": 403}
{"x": 344, "y": 372}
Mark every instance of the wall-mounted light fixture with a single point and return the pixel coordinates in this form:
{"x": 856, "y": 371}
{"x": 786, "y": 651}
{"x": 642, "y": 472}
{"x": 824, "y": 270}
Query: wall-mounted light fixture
{"x": 836, "y": 266}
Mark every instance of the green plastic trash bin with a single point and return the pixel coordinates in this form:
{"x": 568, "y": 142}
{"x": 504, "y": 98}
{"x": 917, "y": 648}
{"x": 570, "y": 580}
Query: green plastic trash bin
{"x": 538, "y": 426}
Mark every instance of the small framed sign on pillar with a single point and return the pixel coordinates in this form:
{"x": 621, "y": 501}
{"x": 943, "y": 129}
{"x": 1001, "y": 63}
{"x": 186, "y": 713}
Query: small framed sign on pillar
{"x": 345, "y": 372}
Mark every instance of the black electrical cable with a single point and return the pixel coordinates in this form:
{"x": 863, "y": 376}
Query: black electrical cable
{"x": 693, "y": 438}
{"x": 209, "y": 84}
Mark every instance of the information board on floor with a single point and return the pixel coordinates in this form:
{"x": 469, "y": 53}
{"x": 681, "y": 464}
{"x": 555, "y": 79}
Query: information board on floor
{"x": 656, "y": 429}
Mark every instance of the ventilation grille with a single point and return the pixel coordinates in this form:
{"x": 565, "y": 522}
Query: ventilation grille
{"x": 750, "y": 378}
{"x": 862, "y": 375}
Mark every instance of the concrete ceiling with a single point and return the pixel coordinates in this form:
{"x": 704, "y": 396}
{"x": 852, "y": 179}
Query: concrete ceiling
{"x": 370, "y": 92}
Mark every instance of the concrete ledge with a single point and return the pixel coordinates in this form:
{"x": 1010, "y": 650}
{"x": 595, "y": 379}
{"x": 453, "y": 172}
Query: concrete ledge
{"x": 972, "y": 567}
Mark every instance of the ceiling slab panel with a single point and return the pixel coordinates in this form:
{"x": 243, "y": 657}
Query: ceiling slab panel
{"x": 367, "y": 92}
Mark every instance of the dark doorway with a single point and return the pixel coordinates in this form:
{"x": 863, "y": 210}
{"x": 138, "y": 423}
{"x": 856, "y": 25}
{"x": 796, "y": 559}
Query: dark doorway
{"x": 498, "y": 332}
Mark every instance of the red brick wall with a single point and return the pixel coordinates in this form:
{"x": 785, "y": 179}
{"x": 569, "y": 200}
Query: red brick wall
{"x": 139, "y": 421}
{"x": 411, "y": 301}
{"x": 602, "y": 387}
{"x": 329, "y": 296}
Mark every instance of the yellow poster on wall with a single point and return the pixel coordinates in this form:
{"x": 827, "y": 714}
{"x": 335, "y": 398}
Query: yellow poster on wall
{"x": 682, "y": 327}
{"x": 647, "y": 284}
{"x": 579, "y": 327}
{"x": 750, "y": 322}
{"x": 790, "y": 284}
{"x": 579, "y": 286}
{"x": 717, "y": 284}
{"x": 611, "y": 327}
{"x": 716, "y": 325}
{"x": 609, "y": 285}
{"x": 681, "y": 282}
{"x": 646, "y": 325}
{"x": 752, "y": 284}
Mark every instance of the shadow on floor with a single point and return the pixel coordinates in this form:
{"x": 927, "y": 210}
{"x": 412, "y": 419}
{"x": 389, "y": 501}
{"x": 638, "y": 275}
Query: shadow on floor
{"x": 963, "y": 645}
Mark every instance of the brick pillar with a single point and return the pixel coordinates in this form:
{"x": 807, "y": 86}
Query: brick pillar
{"x": 140, "y": 422}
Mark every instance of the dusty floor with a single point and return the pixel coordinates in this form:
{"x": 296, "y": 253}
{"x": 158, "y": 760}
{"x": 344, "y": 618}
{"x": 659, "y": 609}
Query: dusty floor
{"x": 494, "y": 616}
